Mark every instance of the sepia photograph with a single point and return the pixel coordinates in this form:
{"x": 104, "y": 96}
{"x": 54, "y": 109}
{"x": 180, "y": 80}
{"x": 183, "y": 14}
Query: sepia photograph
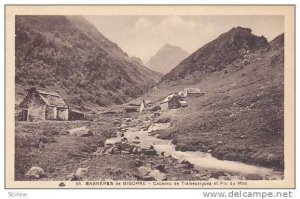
{"x": 150, "y": 97}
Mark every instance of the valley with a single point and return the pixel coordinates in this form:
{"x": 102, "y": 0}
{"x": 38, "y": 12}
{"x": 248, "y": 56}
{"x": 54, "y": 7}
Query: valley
{"x": 234, "y": 130}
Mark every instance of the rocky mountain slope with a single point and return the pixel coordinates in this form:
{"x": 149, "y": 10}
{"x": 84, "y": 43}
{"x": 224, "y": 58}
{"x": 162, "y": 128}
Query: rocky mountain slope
{"x": 167, "y": 58}
{"x": 68, "y": 54}
{"x": 216, "y": 55}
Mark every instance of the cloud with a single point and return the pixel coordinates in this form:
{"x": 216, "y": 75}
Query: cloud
{"x": 175, "y": 23}
{"x": 143, "y": 36}
{"x": 142, "y": 23}
{"x": 148, "y": 35}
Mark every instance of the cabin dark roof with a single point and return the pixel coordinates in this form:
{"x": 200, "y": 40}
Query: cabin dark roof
{"x": 52, "y": 98}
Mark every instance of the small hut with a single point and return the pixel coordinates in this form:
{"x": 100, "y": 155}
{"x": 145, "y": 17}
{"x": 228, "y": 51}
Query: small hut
{"x": 46, "y": 105}
{"x": 192, "y": 92}
{"x": 171, "y": 102}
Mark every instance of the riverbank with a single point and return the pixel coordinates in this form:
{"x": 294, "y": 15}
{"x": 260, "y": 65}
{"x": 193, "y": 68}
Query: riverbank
{"x": 47, "y": 146}
{"x": 111, "y": 153}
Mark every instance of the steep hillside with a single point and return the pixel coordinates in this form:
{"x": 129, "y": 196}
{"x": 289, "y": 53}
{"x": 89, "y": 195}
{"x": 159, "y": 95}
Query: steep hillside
{"x": 216, "y": 55}
{"x": 166, "y": 58}
{"x": 241, "y": 115}
{"x": 68, "y": 54}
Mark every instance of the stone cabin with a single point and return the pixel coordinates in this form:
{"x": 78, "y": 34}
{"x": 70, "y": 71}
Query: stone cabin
{"x": 43, "y": 105}
{"x": 171, "y": 102}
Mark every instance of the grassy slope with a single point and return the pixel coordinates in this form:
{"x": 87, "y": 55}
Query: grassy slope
{"x": 69, "y": 55}
{"x": 240, "y": 117}
{"x": 61, "y": 154}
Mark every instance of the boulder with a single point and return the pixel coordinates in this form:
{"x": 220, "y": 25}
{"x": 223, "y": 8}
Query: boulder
{"x": 157, "y": 175}
{"x": 81, "y": 173}
{"x": 150, "y": 152}
{"x": 35, "y": 173}
{"x": 161, "y": 168}
{"x": 115, "y": 150}
{"x": 125, "y": 152}
{"x": 137, "y": 163}
{"x": 123, "y": 126}
{"x": 147, "y": 174}
{"x": 253, "y": 177}
{"x": 115, "y": 171}
{"x": 153, "y": 132}
{"x": 124, "y": 140}
{"x": 81, "y": 132}
{"x": 187, "y": 165}
{"x": 143, "y": 171}
{"x": 135, "y": 142}
{"x": 72, "y": 177}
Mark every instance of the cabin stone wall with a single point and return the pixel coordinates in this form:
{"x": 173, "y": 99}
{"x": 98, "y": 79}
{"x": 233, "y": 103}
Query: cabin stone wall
{"x": 51, "y": 113}
{"x": 36, "y": 112}
{"x": 35, "y": 108}
{"x": 62, "y": 113}
{"x": 174, "y": 102}
{"x": 164, "y": 106}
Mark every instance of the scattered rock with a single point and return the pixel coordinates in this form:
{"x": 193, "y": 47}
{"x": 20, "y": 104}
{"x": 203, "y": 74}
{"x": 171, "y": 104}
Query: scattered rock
{"x": 72, "y": 177}
{"x": 137, "y": 137}
{"x": 115, "y": 171}
{"x": 35, "y": 173}
{"x": 157, "y": 175}
{"x": 135, "y": 142}
{"x": 274, "y": 177}
{"x": 174, "y": 178}
{"x": 137, "y": 163}
{"x": 161, "y": 168}
{"x": 253, "y": 177}
{"x": 146, "y": 173}
{"x": 82, "y": 132}
{"x": 153, "y": 132}
{"x": 143, "y": 171}
{"x": 125, "y": 152}
{"x": 223, "y": 178}
{"x": 124, "y": 140}
{"x": 123, "y": 126}
{"x": 187, "y": 165}
{"x": 150, "y": 152}
{"x": 235, "y": 178}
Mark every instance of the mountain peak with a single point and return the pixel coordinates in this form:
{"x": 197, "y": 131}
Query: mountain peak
{"x": 167, "y": 57}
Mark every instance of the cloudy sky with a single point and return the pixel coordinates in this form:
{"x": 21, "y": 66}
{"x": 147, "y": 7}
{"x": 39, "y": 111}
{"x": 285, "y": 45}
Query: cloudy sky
{"x": 143, "y": 36}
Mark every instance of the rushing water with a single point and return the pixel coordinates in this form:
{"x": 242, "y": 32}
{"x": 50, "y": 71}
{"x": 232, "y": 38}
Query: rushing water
{"x": 199, "y": 159}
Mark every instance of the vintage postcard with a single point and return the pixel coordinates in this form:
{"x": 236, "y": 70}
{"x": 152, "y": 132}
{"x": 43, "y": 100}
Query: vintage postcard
{"x": 150, "y": 96}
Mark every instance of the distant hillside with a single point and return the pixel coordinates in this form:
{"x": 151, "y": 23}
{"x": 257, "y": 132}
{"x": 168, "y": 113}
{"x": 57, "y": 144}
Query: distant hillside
{"x": 216, "y": 55}
{"x": 166, "y": 58}
{"x": 68, "y": 54}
